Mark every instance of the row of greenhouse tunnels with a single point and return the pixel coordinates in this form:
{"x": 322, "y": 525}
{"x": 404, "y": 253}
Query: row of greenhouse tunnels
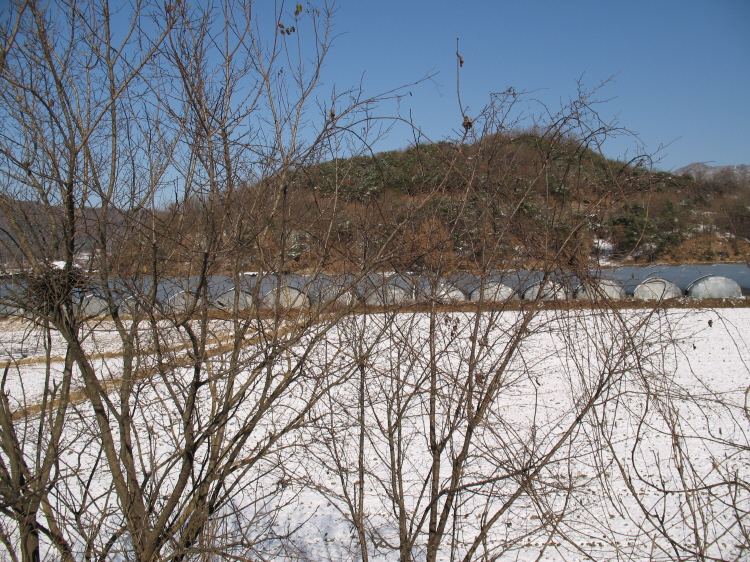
{"x": 293, "y": 291}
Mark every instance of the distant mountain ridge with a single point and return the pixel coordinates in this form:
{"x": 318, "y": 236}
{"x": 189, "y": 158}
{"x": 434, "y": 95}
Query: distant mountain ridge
{"x": 739, "y": 172}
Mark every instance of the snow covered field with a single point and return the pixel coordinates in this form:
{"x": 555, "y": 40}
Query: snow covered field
{"x": 520, "y": 435}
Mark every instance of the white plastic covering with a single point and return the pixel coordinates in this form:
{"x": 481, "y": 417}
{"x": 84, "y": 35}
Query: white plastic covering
{"x": 436, "y": 289}
{"x": 545, "y": 290}
{"x": 600, "y": 288}
{"x": 714, "y": 287}
{"x": 656, "y": 288}
{"x": 335, "y": 290}
{"x": 381, "y": 290}
{"x": 703, "y": 281}
{"x": 495, "y": 291}
{"x": 177, "y": 295}
{"x": 535, "y": 285}
{"x": 282, "y": 291}
{"x": 284, "y": 297}
{"x": 92, "y": 305}
{"x": 226, "y": 300}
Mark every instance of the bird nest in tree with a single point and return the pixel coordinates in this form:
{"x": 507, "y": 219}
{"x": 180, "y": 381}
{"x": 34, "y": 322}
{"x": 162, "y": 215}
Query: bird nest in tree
{"x": 53, "y": 289}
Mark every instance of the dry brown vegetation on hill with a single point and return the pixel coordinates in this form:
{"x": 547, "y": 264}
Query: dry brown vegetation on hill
{"x": 507, "y": 197}
{"x": 523, "y": 198}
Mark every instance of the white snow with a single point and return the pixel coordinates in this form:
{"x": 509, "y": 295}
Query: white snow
{"x": 619, "y": 435}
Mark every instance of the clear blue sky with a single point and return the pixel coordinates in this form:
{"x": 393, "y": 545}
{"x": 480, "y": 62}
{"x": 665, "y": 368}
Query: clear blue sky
{"x": 681, "y": 68}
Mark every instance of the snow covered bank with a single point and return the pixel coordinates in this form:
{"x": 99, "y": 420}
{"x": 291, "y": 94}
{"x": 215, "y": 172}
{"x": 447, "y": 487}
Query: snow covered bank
{"x": 527, "y": 435}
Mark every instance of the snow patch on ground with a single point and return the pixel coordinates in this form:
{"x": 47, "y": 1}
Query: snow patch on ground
{"x": 660, "y": 454}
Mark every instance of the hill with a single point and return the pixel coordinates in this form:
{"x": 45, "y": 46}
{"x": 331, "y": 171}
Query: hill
{"x": 513, "y": 200}
{"x": 739, "y": 174}
{"x": 517, "y": 199}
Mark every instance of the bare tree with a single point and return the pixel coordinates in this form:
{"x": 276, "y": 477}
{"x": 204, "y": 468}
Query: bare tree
{"x": 156, "y": 452}
{"x": 163, "y": 405}
{"x": 482, "y": 433}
